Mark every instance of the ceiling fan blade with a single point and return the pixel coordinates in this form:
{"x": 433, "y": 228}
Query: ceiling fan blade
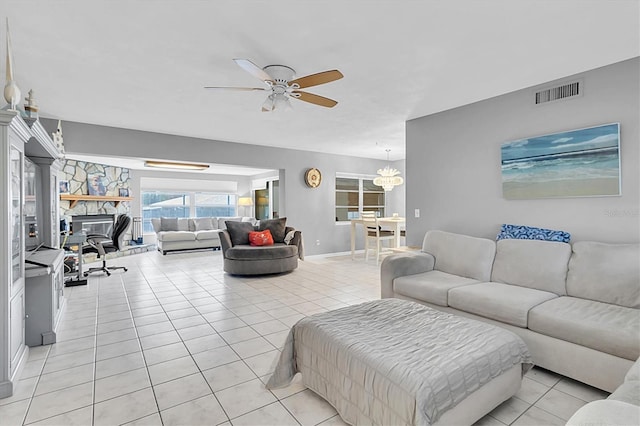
{"x": 314, "y": 99}
{"x": 236, "y": 89}
{"x": 316, "y": 79}
{"x": 254, "y": 70}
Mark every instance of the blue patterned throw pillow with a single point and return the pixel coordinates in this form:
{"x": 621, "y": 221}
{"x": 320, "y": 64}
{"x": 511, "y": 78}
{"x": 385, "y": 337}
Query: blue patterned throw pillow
{"x": 530, "y": 233}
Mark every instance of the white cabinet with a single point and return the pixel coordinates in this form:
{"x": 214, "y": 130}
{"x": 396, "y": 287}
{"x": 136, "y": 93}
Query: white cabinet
{"x": 14, "y": 133}
{"x": 16, "y": 332}
{"x": 16, "y": 138}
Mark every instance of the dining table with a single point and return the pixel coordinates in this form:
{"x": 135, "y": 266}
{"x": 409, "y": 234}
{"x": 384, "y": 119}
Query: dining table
{"x": 394, "y": 222}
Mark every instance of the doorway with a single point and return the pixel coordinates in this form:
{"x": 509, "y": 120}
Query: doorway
{"x": 268, "y": 200}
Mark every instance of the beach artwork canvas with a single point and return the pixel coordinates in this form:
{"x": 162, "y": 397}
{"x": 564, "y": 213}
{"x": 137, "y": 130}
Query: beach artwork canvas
{"x": 96, "y": 184}
{"x": 577, "y": 163}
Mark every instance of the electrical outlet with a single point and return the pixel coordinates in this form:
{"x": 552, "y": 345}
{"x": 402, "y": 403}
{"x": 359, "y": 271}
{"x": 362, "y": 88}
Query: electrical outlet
{"x": 317, "y": 242}
{"x": 416, "y": 212}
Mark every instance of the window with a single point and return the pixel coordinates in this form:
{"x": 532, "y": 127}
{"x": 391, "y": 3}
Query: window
{"x": 214, "y": 205}
{"x": 157, "y": 204}
{"x": 355, "y": 194}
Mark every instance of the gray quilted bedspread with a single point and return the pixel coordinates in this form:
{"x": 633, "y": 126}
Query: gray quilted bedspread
{"x": 394, "y": 362}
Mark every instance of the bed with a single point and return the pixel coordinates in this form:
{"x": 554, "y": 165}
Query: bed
{"x": 397, "y": 362}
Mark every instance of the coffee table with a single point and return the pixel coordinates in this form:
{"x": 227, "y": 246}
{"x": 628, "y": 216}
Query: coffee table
{"x": 396, "y": 362}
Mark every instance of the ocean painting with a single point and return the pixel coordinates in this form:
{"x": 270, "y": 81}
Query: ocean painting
{"x": 577, "y": 163}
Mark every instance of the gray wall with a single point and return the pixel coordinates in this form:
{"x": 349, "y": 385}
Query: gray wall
{"x": 310, "y": 210}
{"x": 453, "y": 162}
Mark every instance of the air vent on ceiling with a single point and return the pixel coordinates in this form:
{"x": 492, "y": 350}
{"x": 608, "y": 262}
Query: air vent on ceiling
{"x": 564, "y": 91}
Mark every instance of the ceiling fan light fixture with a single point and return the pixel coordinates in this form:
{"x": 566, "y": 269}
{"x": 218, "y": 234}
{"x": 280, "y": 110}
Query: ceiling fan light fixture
{"x": 282, "y": 103}
{"x": 280, "y": 81}
{"x": 269, "y": 104}
{"x": 175, "y": 165}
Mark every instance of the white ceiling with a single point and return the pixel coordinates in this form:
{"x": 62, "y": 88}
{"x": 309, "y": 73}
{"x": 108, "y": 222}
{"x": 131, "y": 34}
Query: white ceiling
{"x": 142, "y": 64}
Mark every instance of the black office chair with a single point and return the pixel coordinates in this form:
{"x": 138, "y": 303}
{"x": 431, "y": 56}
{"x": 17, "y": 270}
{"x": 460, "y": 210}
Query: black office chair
{"x": 103, "y": 244}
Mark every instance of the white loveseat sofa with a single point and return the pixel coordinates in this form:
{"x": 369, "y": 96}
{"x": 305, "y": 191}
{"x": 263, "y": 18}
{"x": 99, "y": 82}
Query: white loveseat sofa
{"x": 621, "y": 408}
{"x": 177, "y": 234}
{"x": 577, "y": 307}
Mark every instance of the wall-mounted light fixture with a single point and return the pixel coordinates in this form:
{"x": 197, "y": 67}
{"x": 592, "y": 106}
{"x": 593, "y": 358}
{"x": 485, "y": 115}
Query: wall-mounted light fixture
{"x": 174, "y": 165}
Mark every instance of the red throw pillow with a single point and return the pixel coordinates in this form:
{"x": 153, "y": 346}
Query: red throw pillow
{"x": 261, "y": 238}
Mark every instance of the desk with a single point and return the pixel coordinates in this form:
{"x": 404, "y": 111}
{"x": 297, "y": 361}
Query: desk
{"x": 77, "y": 239}
{"x": 394, "y": 222}
{"x": 43, "y": 298}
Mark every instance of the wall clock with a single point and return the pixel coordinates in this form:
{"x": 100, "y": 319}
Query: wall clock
{"x": 312, "y": 178}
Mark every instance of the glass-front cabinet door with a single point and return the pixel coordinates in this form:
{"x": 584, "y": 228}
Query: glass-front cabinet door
{"x": 16, "y": 293}
{"x": 16, "y": 217}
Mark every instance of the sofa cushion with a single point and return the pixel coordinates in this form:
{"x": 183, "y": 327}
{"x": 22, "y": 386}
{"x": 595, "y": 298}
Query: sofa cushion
{"x": 168, "y": 224}
{"x": 238, "y": 232}
{"x": 155, "y": 222}
{"x": 209, "y": 234}
{"x": 222, "y": 221}
{"x": 541, "y": 265}
{"x": 203, "y": 224}
{"x": 247, "y": 252}
{"x": 432, "y": 286}
{"x": 276, "y": 226}
{"x": 501, "y": 302}
{"x": 633, "y": 375}
{"x": 176, "y": 236}
{"x": 601, "y": 326}
{"x": 629, "y": 390}
{"x": 607, "y": 273}
{"x": 183, "y": 224}
{"x": 460, "y": 254}
{"x": 606, "y": 412}
{"x": 253, "y": 220}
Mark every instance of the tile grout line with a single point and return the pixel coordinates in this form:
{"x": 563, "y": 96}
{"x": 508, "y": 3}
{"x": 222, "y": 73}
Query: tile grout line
{"x": 95, "y": 350}
{"x": 42, "y": 373}
{"x": 146, "y": 366}
{"x": 227, "y": 344}
{"x": 188, "y": 351}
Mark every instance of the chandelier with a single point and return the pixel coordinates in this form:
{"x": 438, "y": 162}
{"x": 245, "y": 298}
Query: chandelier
{"x": 388, "y": 177}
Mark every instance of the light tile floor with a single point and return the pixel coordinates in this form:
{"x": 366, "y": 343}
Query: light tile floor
{"x": 177, "y": 341}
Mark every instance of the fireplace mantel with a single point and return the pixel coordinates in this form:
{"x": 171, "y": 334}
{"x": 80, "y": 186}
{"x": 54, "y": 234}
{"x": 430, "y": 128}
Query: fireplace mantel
{"x": 74, "y": 198}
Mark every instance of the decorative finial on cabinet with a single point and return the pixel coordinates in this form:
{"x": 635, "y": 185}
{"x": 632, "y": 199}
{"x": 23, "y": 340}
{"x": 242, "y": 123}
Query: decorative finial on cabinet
{"x": 31, "y": 107}
{"x": 11, "y": 89}
{"x": 57, "y": 137}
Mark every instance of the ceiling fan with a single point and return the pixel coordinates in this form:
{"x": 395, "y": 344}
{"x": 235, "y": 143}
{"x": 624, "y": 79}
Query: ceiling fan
{"x": 279, "y": 82}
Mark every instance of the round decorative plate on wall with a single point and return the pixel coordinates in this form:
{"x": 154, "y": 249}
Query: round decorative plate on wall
{"x": 313, "y": 177}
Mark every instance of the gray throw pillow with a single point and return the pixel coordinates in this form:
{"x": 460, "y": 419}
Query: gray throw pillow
{"x": 183, "y": 224}
{"x": 239, "y": 232}
{"x": 168, "y": 224}
{"x": 203, "y": 223}
{"x": 276, "y": 226}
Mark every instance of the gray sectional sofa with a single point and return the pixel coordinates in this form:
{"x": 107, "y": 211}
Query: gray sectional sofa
{"x": 576, "y": 306}
{"x": 177, "y": 234}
